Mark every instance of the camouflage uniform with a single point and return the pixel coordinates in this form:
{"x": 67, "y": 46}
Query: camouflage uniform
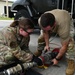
{"x": 70, "y": 54}
{"x": 13, "y": 45}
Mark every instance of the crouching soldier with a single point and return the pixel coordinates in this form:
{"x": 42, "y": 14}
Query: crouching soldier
{"x": 14, "y": 42}
{"x": 58, "y": 21}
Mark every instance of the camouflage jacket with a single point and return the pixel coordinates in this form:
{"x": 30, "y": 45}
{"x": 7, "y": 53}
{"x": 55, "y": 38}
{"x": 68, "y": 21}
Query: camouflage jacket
{"x": 12, "y": 45}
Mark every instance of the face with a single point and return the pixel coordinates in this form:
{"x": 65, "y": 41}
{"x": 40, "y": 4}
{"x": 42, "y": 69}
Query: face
{"x": 25, "y": 33}
{"x": 49, "y": 28}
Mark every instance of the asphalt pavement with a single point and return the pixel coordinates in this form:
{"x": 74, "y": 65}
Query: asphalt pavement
{"x": 55, "y": 42}
{"x": 52, "y": 70}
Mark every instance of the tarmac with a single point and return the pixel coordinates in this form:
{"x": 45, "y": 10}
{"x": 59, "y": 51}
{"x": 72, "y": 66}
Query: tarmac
{"x": 60, "y": 68}
{"x": 51, "y": 70}
{"x": 54, "y": 43}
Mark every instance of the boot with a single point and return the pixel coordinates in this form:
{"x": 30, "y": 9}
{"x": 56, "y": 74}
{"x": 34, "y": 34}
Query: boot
{"x": 71, "y": 67}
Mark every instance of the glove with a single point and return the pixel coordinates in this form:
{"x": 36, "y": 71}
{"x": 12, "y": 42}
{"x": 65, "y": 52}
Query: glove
{"x": 37, "y": 60}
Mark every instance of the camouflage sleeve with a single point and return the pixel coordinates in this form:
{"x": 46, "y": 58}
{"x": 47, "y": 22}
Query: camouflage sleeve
{"x": 7, "y": 53}
{"x": 22, "y": 55}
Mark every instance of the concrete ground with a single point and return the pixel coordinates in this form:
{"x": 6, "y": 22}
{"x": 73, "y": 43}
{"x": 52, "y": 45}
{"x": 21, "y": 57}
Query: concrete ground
{"x": 55, "y": 43}
{"x": 52, "y": 70}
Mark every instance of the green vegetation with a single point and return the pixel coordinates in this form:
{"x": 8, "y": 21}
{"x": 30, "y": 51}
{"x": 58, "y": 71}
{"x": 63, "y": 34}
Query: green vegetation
{"x": 5, "y": 18}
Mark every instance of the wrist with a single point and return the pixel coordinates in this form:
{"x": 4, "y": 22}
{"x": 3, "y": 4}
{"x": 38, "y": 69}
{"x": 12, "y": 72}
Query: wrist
{"x": 57, "y": 59}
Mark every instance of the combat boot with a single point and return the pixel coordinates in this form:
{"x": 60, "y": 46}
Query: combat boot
{"x": 71, "y": 67}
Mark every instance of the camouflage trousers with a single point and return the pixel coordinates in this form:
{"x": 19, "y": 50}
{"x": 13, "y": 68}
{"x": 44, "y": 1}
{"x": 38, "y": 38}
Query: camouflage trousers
{"x": 70, "y": 54}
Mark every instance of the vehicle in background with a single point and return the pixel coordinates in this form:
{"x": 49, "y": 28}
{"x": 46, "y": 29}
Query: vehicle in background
{"x": 34, "y": 8}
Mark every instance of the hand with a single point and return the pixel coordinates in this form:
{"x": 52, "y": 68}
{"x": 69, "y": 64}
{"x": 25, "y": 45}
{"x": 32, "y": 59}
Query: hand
{"x": 55, "y": 62}
{"x": 47, "y": 48}
{"x": 28, "y": 57}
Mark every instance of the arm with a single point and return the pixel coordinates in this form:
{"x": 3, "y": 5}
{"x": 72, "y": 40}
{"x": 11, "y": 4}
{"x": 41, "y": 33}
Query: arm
{"x": 62, "y": 51}
{"x": 8, "y": 54}
{"x": 7, "y": 40}
{"x": 5, "y": 53}
{"x": 46, "y": 37}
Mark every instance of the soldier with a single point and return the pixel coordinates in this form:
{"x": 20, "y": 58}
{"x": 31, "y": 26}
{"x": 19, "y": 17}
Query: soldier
{"x": 58, "y": 21}
{"x": 14, "y": 41}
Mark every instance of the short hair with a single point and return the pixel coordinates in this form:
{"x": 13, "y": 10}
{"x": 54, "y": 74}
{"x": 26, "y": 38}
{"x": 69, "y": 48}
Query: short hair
{"x": 47, "y": 19}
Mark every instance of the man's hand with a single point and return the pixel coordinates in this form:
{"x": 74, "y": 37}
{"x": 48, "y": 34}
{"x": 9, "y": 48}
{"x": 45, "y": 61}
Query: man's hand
{"x": 47, "y": 48}
{"x": 55, "y": 62}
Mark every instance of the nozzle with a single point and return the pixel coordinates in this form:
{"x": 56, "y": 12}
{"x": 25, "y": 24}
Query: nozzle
{"x": 29, "y": 65}
{"x": 18, "y": 69}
